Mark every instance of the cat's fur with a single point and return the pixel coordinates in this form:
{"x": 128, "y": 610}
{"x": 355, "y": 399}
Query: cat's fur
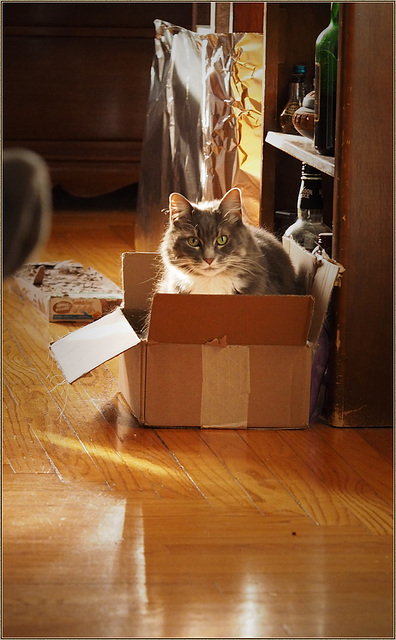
{"x": 230, "y": 256}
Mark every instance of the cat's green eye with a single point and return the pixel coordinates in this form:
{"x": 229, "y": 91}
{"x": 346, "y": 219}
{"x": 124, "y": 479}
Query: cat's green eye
{"x": 193, "y": 241}
{"x": 222, "y": 240}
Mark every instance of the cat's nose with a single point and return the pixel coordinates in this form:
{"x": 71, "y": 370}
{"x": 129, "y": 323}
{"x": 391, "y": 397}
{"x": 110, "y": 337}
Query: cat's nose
{"x": 208, "y": 260}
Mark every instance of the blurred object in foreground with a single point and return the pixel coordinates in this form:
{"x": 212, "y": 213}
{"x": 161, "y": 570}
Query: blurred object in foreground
{"x": 27, "y": 207}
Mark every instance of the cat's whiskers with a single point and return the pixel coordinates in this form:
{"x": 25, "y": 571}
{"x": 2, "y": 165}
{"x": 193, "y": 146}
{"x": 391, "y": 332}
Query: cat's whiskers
{"x": 240, "y": 265}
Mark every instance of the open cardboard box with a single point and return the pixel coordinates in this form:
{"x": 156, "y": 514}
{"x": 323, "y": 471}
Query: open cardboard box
{"x": 209, "y": 360}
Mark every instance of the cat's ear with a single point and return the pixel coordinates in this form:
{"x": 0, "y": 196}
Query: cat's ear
{"x": 179, "y": 206}
{"x": 231, "y": 203}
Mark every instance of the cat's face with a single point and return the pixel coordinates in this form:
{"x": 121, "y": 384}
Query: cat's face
{"x": 208, "y": 238}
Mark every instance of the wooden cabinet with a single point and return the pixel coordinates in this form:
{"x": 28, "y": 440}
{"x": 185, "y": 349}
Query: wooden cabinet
{"x": 362, "y": 361}
{"x": 361, "y": 366}
{"x": 76, "y": 83}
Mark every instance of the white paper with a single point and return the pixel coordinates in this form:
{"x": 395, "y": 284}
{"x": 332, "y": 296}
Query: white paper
{"x": 320, "y": 277}
{"x": 84, "y": 349}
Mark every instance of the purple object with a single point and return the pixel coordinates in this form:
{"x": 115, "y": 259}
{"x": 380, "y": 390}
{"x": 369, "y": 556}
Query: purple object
{"x": 319, "y": 366}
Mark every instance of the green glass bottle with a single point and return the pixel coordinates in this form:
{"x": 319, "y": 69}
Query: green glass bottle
{"x": 326, "y": 51}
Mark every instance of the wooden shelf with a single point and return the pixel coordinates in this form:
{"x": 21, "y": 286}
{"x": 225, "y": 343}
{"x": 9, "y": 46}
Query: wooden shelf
{"x": 302, "y": 149}
{"x": 360, "y": 391}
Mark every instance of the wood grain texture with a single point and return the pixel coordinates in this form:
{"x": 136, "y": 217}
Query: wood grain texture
{"x": 76, "y": 86}
{"x": 362, "y": 393}
{"x": 248, "y": 17}
{"x": 114, "y": 530}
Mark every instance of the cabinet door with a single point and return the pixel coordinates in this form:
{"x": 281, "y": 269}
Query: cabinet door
{"x": 75, "y": 86}
{"x": 362, "y": 361}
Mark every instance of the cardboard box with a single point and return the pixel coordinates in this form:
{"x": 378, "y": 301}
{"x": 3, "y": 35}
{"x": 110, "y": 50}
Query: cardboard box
{"x": 66, "y": 292}
{"x": 209, "y": 361}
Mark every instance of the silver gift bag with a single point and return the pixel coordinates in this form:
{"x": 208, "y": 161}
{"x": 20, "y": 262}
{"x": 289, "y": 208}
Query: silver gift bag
{"x": 204, "y": 124}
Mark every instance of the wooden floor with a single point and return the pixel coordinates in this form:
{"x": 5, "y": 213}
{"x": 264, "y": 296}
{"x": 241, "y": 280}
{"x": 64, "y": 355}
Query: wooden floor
{"x": 111, "y": 530}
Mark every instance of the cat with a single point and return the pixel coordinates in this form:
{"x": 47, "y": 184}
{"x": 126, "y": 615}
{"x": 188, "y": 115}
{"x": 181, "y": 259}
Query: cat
{"x": 209, "y": 249}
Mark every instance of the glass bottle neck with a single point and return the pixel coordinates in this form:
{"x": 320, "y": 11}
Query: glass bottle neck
{"x": 310, "y": 215}
{"x": 335, "y": 8}
{"x": 295, "y": 91}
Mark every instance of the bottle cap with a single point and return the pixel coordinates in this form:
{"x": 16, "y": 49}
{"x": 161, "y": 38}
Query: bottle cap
{"x": 307, "y": 170}
{"x": 300, "y": 68}
{"x": 325, "y": 242}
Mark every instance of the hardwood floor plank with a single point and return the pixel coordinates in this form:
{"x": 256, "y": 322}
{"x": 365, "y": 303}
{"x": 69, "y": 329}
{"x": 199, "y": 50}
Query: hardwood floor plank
{"x": 83, "y": 219}
{"x": 258, "y": 572}
{"x": 123, "y": 615}
{"x": 94, "y": 241}
{"x": 125, "y": 231}
{"x": 250, "y": 472}
{"x": 204, "y": 468}
{"x": 119, "y": 612}
{"x": 142, "y": 445}
{"x": 59, "y": 250}
{"x": 40, "y": 483}
{"x": 91, "y": 248}
{"x": 53, "y": 411}
{"x": 382, "y": 440}
{"x": 20, "y": 445}
{"x": 6, "y": 468}
{"x": 349, "y": 487}
{"x": 361, "y": 457}
{"x": 166, "y": 475}
{"x": 37, "y": 406}
{"x": 315, "y": 497}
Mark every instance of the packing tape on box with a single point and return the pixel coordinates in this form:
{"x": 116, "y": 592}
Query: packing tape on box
{"x": 225, "y": 387}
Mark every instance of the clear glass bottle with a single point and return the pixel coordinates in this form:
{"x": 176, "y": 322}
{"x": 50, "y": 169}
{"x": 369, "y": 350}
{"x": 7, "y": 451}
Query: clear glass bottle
{"x": 297, "y": 90}
{"x": 309, "y": 223}
{"x": 325, "y": 241}
{"x": 326, "y": 52}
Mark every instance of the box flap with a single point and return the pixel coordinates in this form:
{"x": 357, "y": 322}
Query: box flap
{"x": 320, "y": 275}
{"x": 244, "y": 320}
{"x": 84, "y": 349}
{"x": 322, "y": 287}
{"x": 139, "y": 272}
{"x": 303, "y": 261}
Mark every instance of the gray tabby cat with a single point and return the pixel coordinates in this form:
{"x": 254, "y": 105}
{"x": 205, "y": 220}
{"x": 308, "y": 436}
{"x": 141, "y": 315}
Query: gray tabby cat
{"x": 208, "y": 249}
